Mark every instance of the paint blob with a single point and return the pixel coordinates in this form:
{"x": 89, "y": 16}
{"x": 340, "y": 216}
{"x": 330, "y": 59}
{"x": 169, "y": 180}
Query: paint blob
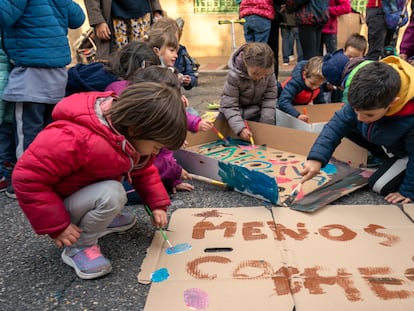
{"x": 160, "y": 275}
{"x": 178, "y": 249}
{"x": 196, "y": 299}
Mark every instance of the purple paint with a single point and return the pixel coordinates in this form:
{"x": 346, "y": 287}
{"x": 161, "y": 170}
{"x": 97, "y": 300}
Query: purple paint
{"x": 160, "y": 275}
{"x": 196, "y": 299}
{"x": 178, "y": 249}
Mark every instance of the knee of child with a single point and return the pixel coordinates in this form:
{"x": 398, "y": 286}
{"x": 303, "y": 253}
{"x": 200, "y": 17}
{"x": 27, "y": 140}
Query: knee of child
{"x": 113, "y": 194}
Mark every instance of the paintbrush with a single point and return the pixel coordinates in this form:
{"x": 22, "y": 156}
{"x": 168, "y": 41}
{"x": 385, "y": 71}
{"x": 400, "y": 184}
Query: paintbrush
{"x": 289, "y": 200}
{"x": 251, "y": 134}
{"x": 220, "y": 135}
{"x": 164, "y": 235}
{"x": 211, "y": 181}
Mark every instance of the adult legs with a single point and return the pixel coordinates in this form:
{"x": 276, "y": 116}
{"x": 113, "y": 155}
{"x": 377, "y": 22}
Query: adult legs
{"x": 377, "y": 32}
{"x": 310, "y": 40}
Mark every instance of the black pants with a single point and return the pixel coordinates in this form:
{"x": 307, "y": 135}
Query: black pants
{"x": 310, "y": 40}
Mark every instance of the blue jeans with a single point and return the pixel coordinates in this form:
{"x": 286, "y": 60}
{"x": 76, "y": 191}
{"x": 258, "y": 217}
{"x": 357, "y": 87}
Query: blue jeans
{"x": 256, "y": 28}
{"x": 290, "y": 36}
{"x": 330, "y": 41}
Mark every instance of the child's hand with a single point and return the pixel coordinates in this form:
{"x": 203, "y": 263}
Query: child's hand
{"x": 183, "y": 187}
{"x": 159, "y": 218}
{"x": 205, "y": 126}
{"x": 185, "y": 144}
{"x": 396, "y": 197}
{"x": 186, "y": 80}
{"x": 69, "y": 236}
{"x": 304, "y": 118}
{"x": 311, "y": 168}
{"x": 184, "y": 100}
{"x": 102, "y": 31}
{"x": 185, "y": 174}
{"x": 245, "y": 134}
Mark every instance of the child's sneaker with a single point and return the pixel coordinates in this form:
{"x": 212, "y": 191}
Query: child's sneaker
{"x": 88, "y": 261}
{"x": 8, "y": 169}
{"x": 122, "y": 222}
{"x": 3, "y": 184}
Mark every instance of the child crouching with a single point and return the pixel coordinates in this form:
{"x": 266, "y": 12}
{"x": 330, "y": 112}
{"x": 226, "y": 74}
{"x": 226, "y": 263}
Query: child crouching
{"x": 69, "y": 181}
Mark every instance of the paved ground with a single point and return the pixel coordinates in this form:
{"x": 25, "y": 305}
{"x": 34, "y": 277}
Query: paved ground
{"x": 33, "y": 277}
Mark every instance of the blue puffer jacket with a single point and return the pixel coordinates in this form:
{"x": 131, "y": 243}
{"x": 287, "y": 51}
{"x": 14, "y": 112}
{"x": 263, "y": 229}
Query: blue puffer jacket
{"x": 35, "y": 31}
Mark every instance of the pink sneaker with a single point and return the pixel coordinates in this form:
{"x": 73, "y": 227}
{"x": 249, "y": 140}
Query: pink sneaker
{"x": 88, "y": 261}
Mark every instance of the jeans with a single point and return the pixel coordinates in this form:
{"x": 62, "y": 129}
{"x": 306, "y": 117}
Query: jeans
{"x": 290, "y": 36}
{"x": 256, "y": 28}
{"x": 330, "y": 41}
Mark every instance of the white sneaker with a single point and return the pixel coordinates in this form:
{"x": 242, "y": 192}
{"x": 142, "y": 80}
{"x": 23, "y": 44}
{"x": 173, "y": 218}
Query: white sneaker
{"x": 291, "y": 58}
{"x": 285, "y": 64}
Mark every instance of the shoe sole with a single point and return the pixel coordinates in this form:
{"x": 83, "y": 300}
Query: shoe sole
{"x": 85, "y": 276}
{"x": 118, "y": 229}
{"x": 10, "y": 195}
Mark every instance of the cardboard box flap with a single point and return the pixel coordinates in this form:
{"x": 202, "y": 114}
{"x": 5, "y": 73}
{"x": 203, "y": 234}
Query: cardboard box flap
{"x": 357, "y": 257}
{"x": 231, "y": 264}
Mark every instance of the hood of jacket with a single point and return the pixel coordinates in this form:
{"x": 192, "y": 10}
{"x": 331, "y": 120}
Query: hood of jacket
{"x": 236, "y": 62}
{"x": 406, "y": 73}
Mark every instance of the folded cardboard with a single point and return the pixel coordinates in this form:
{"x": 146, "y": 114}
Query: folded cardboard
{"x": 319, "y": 115}
{"x": 252, "y": 171}
{"x": 341, "y": 258}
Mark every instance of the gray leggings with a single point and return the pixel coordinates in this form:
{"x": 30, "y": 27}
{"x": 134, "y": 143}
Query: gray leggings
{"x": 94, "y": 207}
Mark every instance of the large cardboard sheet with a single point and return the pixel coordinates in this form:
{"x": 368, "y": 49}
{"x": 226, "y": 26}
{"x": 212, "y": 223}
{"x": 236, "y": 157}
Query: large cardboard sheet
{"x": 239, "y": 275}
{"x": 343, "y": 258}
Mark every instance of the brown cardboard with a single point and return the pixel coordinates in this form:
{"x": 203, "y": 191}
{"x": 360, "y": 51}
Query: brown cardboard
{"x": 241, "y": 279}
{"x": 349, "y": 257}
{"x": 342, "y": 258}
{"x": 318, "y": 116}
{"x": 292, "y": 141}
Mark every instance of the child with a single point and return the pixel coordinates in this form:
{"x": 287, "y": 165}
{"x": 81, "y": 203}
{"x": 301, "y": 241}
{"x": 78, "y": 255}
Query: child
{"x": 35, "y": 39}
{"x": 183, "y": 62}
{"x": 379, "y": 115}
{"x": 250, "y": 89}
{"x": 164, "y": 44}
{"x": 172, "y": 174}
{"x": 334, "y": 64}
{"x": 122, "y": 64}
{"x": 303, "y": 87}
{"x": 68, "y": 182}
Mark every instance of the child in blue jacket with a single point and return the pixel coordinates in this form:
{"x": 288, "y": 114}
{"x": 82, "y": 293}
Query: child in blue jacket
{"x": 378, "y": 114}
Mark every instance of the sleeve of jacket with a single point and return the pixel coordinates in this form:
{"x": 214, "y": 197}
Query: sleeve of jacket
{"x": 39, "y": 169}
{"x": 332, "y": 134}
{"x": 342, "y": 7}
{"x": 192, "y": 122}
{"x": 168, "y": 168}
{"x": 11, "y": 11}
{"x": 76, "y": 16}
{"x": 407, "y": 42}
{"x": 287, "y": 95}
{"x": 268, "y": 111}
{"x": 229, "y": 102}
{"x": 147, "y": 182}
{"x": 188, "y": 69}
{"x": 95, "y": 12}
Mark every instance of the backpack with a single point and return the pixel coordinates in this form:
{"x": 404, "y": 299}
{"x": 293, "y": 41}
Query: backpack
{"x": 395, "y": 13}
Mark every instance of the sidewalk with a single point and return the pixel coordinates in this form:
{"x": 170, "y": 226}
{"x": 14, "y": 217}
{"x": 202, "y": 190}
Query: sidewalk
{"x": 219, "y": 63}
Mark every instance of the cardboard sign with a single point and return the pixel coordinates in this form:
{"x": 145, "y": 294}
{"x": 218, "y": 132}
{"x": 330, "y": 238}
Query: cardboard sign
{"x": 271, "y": 169}
{"x": 319, "y": 115}
{"x": 343, "y": 258}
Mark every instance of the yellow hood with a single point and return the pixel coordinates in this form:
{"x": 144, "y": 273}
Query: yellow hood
{"x": 406, "y": 72}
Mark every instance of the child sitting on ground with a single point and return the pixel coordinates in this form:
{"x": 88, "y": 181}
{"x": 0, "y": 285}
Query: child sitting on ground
{"x": 303, "y": 87}
{"x": 379, "y": 115}
{"x": 250, "y": 89}
{"x": 68, "y": 182}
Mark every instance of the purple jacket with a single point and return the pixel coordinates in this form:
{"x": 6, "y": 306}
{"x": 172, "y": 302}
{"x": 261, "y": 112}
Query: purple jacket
{"x": 407, "y": 42}
{"x": 168, "y": 168}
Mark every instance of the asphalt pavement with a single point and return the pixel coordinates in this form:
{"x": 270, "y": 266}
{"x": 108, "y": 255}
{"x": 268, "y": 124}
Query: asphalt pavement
{"x": 33, "y": 277}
